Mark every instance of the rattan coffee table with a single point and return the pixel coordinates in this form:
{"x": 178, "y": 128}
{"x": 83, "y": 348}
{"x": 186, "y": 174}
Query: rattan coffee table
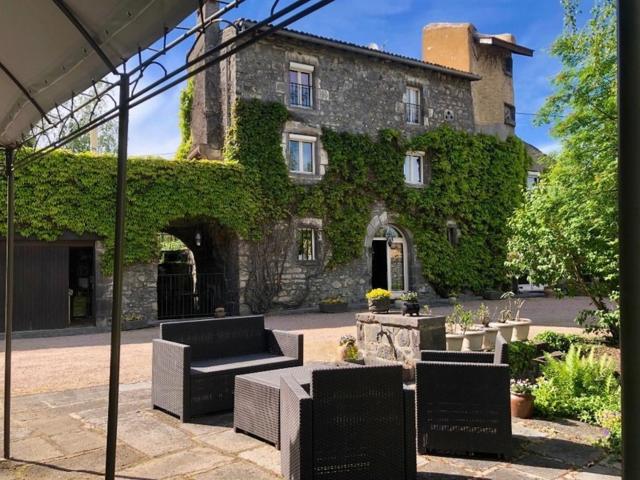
{"x": 256, "y": 408}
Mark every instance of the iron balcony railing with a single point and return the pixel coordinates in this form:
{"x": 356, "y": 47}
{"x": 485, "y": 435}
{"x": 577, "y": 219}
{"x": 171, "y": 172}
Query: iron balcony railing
{"x": 300, "y": 95}
{"x": 182, "y": 295}
{"x": 412, "y": 112}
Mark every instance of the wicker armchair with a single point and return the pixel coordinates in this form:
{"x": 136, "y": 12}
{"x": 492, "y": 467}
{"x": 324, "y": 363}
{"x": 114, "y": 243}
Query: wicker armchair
{"x": 356, "y": 424}
{"x": 462, "y": 402}
{"x": 195, "y": 362}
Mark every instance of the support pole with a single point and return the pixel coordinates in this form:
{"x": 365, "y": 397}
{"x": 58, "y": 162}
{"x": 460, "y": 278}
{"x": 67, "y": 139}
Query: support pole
{"x": 8, "y": 299}
{"x": 629, "y": 206}
{"x": 118, "y": 261}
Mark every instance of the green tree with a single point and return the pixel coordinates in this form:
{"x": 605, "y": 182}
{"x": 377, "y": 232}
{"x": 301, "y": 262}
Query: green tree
{"x": 567, "y": 230}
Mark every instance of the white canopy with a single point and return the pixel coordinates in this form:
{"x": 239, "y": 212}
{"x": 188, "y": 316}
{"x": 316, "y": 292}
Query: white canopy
{"x": 42, "y": 49}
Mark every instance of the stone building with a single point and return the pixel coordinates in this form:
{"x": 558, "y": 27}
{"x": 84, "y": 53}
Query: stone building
{"x": 345, "y": 87}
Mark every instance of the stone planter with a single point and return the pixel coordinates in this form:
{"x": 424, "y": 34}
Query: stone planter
{"x": 491, "y": 295}
{"x": 521, "y": 405}
{"x": 381, "y": 305}
{"x": 473, "y": 340}
{"x": 454, "y": 342}
{"x": 489, "y": 339}
{"x": 505, "y": 329}
{"x": 410, "y": 308}
{"x": 520, "y": 329}
{"x": 334, "y": 307}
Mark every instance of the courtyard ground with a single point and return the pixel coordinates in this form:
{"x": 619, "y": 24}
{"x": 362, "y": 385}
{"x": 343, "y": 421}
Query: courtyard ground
{"x": 60, "y": 408}
{"x": 70, "y": 362}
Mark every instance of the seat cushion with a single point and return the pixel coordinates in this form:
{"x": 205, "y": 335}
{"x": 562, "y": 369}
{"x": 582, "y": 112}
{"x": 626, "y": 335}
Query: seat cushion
{"x": 242, "y": 362}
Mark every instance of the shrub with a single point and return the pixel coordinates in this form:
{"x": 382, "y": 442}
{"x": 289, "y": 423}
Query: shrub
{"x": 521, "y": 355}
{"x": 558, "y": 342}
{"x": 577, "y": 387}
{"x": 611, "y": 421}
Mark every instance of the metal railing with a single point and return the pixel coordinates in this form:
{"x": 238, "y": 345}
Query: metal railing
{"x": 182, "y": 295}
{"x": 412, "y": 112}
{"x": 300, "y": 95}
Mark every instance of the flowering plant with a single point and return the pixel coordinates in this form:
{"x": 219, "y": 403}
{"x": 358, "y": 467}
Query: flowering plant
{"x": 522, "y": 387}
{"x": 378, "y": 294}
{"x": 409, "y": 297}
{"x": 347, "y": 340}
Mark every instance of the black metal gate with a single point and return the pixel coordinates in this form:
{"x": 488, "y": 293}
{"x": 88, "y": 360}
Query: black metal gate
{"x": 183, "y": 295}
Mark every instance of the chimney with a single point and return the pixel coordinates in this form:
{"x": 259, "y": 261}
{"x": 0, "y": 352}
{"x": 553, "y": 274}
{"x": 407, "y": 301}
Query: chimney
{"x": 448, "y": 44}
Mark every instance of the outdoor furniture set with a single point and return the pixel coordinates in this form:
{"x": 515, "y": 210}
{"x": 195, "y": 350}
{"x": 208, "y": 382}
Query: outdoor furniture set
{"x": 333, "y": 420}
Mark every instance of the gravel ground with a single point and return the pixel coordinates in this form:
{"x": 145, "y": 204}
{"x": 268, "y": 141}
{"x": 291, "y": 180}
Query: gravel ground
{"x": 71, "y": 362}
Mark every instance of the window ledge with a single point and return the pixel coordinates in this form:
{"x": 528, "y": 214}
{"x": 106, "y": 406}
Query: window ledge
{"x": 415, "y": 185}
{"x": 305, "y": 178}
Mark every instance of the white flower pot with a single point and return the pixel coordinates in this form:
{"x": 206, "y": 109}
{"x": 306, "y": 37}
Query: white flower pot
{"x": 454, "y": 342}
{"x": 505, "y": 329}
{"x": 489, "y": 340}
{"x": 473, "y": 340}
{"x": 520, "y": 329}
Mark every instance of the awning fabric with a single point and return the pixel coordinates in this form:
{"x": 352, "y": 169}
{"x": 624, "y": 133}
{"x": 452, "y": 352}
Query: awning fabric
{"x": 46, "y": 53}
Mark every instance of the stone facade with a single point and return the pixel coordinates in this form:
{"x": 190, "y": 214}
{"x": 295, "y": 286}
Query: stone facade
{"x": 399, "y": 338}
{"x": 139, "y": 294}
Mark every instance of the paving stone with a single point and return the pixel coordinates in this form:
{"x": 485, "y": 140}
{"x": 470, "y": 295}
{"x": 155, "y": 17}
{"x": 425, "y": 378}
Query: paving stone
{"x": 523, "y": 430}
{"x": 237, "y": 471}
{"x": 541, "y": 467}
{"x": 34, "y": 449}
{"x": 478, "y": 465}
{"x": 508, "y": 473}
{"x": 230, "y": 441}
{"x": 93, "y": 461}
{"x": 598, "y": 472}
{"x": 578, "y": 454}
{"x": 79, "y": 441}
{"x": 435, "y": 465}
{"x": 267, "y": 457}
{"x": 55, "y": 425}
{"x": 150, "y": 436}
{"x": 208, "y": 424}
{"x": 194, "y": 460}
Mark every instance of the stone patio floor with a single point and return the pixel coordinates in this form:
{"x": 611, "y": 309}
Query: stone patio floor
{"x": 61, "y": 435}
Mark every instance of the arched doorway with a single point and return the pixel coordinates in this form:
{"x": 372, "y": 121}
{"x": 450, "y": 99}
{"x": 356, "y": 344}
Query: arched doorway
{"x": 389, "y": 263}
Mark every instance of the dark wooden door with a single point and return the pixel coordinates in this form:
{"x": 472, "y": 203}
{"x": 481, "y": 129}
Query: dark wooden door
{"x": 41, "y": 286}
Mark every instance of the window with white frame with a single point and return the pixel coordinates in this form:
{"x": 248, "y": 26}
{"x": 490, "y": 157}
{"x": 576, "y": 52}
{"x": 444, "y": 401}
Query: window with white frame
{"x": 412, "y": 107}
{"x": 307, "y": 244}
{"x": 414, "y": 168}
{"x": 301, "y": 152}
{"x": 532, "y": 179}
{"x": 300, "y": 85}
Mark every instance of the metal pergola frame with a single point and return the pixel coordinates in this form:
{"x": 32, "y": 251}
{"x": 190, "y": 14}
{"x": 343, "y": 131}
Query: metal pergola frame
{"x": 55, "y": 124}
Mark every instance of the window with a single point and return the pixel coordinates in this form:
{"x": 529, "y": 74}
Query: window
{"x": 414, "y": 169}
{"x": 453, "y": 233}
{"x": 306, "y": 244}
{"x": 507, "y": 66}
{"x": 301, "y": 154}
{"x": 300, "y": 85}
{"x": 412, "y": 108}
{"x": 532, "y": 179}
{"x": 509, "y": 114}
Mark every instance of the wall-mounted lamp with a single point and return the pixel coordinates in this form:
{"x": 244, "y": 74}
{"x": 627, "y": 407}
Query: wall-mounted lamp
{"x": 390, "y": 235}
{"x": 198, "y": 239}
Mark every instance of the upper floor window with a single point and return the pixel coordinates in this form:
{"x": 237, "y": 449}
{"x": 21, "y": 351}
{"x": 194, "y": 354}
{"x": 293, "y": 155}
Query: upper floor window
{"x": 300, "y": 85}
{"x": 307, "y": 244}
{"x": 507, "y": 66}
{"x": 532, "y": 179}
{"x": 453, "y": 233}
{"x": 509, "y": 114}
{"x": 414, "y": 169}
{"x": 301, "y": 154}
{"x": 412, "y": 110}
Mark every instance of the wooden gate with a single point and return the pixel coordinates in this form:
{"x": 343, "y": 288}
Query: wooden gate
{"x": 41, "y": 286}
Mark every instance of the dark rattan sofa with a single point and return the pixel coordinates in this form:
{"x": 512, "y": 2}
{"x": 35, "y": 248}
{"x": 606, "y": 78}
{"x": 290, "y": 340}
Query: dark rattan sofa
{"x": 462, "y": 402}
{"x": 195, "y": 362}
{"x": 353, "y": 423}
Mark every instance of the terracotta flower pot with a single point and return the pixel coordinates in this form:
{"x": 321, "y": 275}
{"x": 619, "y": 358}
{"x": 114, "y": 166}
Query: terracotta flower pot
{"x": 521, "y": 405}
{"x": 454, "y": 342}
{"x": 380, "y": 305}
{"x": 473, "y": 340}
{"x": 505, "y": 329}
{"x": 489, "y": 340}
{"x": 520, "y": 329}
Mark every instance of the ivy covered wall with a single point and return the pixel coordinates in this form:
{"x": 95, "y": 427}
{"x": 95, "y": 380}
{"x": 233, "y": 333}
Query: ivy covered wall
{"x": 476, "y": 180}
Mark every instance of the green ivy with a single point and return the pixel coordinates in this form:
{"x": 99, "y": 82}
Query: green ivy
{"x": 184, "y": 120}
{"x": 477, "y": 180}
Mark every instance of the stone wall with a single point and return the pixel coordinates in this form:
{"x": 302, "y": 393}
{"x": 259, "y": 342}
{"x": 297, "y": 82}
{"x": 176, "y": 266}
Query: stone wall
{"x": 139, "y": 295}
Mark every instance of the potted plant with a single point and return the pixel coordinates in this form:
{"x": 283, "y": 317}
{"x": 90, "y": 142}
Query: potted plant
{"x": 426, "y": 311}
{"x": 513, "y": 309}
{"x": 379, "y": 300}
{"x": 348, "y": 350}
{"x": 483, "y": 317}
{"x": 410, "y": 305}
{"x": 522, "y": 398}
{"x": 334, "y": 304}
{"x": 453, "y": 298}
{"x": 503, "y": 325}
{"x": 472, "y": 336}
{"x": 454, "y": 337}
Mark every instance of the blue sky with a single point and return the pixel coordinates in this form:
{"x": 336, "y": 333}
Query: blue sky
{"x": 395, "y": 25}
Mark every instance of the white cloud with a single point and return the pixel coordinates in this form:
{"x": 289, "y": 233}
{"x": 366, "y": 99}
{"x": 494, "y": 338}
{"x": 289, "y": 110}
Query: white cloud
{"x": 552, "y": 147}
